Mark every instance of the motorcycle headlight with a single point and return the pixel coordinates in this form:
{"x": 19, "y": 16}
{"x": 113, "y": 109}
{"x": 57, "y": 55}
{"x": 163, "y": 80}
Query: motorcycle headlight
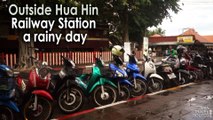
{"x": 10, "y": 73}
{"x": 119, "y": 74}
{"x": 62, "y": 73}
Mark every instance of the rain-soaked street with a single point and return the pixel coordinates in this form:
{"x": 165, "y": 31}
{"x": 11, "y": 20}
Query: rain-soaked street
{"x": 189, "y": 102}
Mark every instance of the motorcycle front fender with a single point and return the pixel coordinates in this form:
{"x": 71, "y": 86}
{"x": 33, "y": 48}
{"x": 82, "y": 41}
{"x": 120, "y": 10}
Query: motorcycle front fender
{"x": 43, "y": 93}
{"x": 126, "y": 82}
{"x": 137, "y": 75}
{"x": 102, "y": 81}
{"x": 10, "y": 105}
{"x": 72, "y": 83}
{"x": 156, "y": 76}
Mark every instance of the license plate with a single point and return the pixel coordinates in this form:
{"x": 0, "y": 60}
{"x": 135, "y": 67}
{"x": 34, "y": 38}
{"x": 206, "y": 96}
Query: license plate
{"x": 171, "y": 76}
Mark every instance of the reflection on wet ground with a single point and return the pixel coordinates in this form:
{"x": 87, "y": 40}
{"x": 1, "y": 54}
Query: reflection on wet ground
{"x": 189, "y": 103}
{"x": 208, "y": 97}
{"x": 166, "y": 93}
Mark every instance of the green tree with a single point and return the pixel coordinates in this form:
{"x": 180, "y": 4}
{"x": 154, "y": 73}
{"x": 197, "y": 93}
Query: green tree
{"x": 158, "y": 31}
{"x": 133, "y": 17}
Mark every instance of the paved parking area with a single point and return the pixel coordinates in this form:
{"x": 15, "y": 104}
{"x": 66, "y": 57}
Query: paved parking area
{"x": 190, "y": 102}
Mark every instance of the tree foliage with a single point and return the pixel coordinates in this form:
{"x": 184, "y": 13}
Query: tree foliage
{"x": 158, "y": 31}
{"x": 141, "y": 14}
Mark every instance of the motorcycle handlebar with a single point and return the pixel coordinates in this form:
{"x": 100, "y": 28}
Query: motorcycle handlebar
{"x": 38, "y": 61}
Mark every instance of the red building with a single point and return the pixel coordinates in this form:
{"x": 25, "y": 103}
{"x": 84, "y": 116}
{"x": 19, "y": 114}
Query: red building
{"x": 189, "y": 38}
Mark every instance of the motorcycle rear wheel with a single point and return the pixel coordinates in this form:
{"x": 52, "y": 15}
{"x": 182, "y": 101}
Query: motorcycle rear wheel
{"x": 6, "y": 113}
{"x": 124, "y": 93}
{"x": 157, "y": 87}
{"x": 43, "y": 112}
{"x": 141, "y": 88}
{"x": 184, "y": 78}
{"x": 200, "y": 75}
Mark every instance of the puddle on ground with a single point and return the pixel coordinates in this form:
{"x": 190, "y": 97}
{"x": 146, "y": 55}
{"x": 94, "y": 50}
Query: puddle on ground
{"x": 182, "y": 88}
{"x": 140, "y": 101}
{"x": 206, "y": 83}
{"x": 208, "y": 97}
{"x": 191, "y": 99}
{"x": 136, "y": 117}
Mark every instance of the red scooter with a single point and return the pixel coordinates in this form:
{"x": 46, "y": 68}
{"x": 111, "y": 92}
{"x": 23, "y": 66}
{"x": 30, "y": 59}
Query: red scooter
{"x": 36, "y": 101}
{"x": 193, "y": 71}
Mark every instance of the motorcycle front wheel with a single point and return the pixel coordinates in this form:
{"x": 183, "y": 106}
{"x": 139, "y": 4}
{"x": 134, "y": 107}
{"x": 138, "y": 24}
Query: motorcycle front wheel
{"x": 6, "y": 113}
{"x": 200, "y": 75}
{"x": 43, "y": 111}
{"x": 194, "y": 76}
{"x": 103, "y": 98}
{"x": 156, "y": 85}
{"x": 124, "y": 93}
{"x": 139, "y": 89}
{"x": 70, "y": 99}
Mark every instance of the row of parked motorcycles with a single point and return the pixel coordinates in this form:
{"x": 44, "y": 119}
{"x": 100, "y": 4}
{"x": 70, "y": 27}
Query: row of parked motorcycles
{"x": 33, "y": 98}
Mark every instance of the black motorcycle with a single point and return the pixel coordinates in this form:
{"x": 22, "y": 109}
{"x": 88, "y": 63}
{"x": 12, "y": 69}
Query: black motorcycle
{"x": 62, "y": 85}
{"x": 165, "y": 70}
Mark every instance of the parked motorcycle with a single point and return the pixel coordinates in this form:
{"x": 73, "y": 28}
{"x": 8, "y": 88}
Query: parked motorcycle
{"x": 100, "y": 88}
{"x": 8, "y": 108}
{"x": 183, "y": 76}
{"x": 166, "y": 70}
{"x": 136, "y": 86}
{"x": 208, "y": 61}
{"x": 120, "y": 78}
{"x": 62, "y": 85}
{"x": 153, "y": 80}
{"x": 37, "y": 101}
{"x": 202, "y": 63}
{"x": 193, "y": 71}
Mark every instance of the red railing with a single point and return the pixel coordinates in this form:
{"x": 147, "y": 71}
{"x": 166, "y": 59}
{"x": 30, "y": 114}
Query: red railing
{"x": 9, "y": 59}
{"x": 54, "y": 59}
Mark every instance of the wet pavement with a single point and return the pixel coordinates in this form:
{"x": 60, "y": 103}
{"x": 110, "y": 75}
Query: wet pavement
{"x": 194, "y": 102}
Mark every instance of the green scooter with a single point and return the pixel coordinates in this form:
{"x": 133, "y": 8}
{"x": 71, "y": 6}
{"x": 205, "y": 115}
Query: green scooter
{"x": 102, "y": 90}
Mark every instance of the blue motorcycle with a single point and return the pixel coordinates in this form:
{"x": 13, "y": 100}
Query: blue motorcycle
{"x": 135, "y": 77}
{"x": 154, "y": 82}
{"x": 7, "y": 92}
{"x": 120, "y": 78}
{"x": 137, "y": 87}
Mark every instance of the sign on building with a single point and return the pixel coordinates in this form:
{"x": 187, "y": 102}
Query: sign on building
{"x": 185, "y": 39}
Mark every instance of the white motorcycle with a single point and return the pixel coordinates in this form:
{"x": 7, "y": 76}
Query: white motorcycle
{"x": 155, "y": 81}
